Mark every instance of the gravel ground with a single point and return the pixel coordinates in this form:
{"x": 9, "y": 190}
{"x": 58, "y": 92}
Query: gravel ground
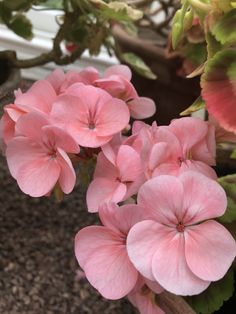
{"x": 37, "y": 264}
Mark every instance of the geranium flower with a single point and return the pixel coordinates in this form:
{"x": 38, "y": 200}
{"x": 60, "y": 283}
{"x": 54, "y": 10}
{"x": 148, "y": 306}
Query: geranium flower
{"x": 37, "y": 156}
{"x": 101, "y": 251}
{"x": 90, "y": 114}
{"x": 181, "y": 247}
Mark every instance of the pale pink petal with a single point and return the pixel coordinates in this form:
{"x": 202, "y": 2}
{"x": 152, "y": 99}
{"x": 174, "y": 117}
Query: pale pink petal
{"x": 120, "y": 69}
{"x": 205, "y": 150}
{"x": 203, "y": 197}
{"x": 61, "y": 139}
{"x": 189, "y": 131}
{"x": 38, "y": 177}
{"x": 38, "y": 98}
{"x": 128, "y": 163}
{"x": 67, "y": 176}
{"x": 122, "y": 218}
{"x": 114, "y": 85}
{"x": 141, "y": 242}
{"x": 210, "y": 250}
{"x": 198, "y": 166}
{"x": 160, "y": 153}
{"x": 113, "y": 117}
{"x": 56, "y": 78}
{"x": 141, "y": 107}
{"x": 163, "y": 197}
{"x": 105, "y": 261}
{"x": 89, "y": 75}
{"x": 13, "y": 112}
{"x": 169, "y": 265}
{"x": 21, "y": 151}
{"x": 109, "y": 152}
{"x": 31, "y": 124}
{"x": 105, "y": 169}
{"x": 103, "y": 190}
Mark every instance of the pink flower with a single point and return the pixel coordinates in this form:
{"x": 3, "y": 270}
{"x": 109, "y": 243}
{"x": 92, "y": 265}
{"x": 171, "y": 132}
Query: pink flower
{"x": 37, "y": 157}
{"x": 117, "y": 83}
{"x": 117, "y": 177}
{"x": 186, "y": 144}
{"x": 38, "y": 98}
{"x": 180, "y": 246}
{"x": 90, "y": 114}
{"x": 143, "y": 296}
{"x": 101, "y": 251}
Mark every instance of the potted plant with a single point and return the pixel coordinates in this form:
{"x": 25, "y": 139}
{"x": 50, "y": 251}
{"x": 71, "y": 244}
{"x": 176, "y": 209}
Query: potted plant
{"x": 166, "y": 238}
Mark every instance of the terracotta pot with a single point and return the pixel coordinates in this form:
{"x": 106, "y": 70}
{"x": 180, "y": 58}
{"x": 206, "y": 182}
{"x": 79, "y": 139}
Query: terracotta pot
{"x": 9, "y": 80}
{"x": 171, "y": 92}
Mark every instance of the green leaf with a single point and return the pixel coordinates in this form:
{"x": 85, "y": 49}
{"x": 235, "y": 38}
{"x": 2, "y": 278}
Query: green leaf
{"x": 138, "y": 65}
{"x": 213, "y": 298}
{"x": 178, "y": 24}
{"x": 198, "y": 104}
{"x": 229, "y": 185}
{"x": 213, "y": 46}
{"x": 225, "y": 28}
{"x": 17, "y": 5}
{"x": 22, "y": 26}
{"x": 118, "y": 11}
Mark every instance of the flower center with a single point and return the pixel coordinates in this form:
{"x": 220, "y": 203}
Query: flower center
{"x": 180, "y": 227}
{"x": 91, "y": 126}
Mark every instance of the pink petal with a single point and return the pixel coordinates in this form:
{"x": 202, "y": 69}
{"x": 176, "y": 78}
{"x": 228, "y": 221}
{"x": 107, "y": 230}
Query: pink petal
{"x": 103, "y": 190}
{"x": 142, "y": 241}
{"x": 67, "y": 176}
{"x": 31, "y": 124}
{"x": 189, "y": 131}
{"x": 129, "y": 163}
{"x": 56, "y": 78}
{"x": 105, "y": 169}
{"x": 198, "y": 166}
{"x": 61, "y": 139}
{"x": 210, "y": 250}
{"x": 120, "y": 219}
{"x": 114, "y": 85}
{"x": 141, "y": 107}
{"x": 120, "y": 69}
{"x": 163, "y": 197}
{"x": 20, "y": 151}
{"x": 38, "y": 98}
{"x": 169, "y": 265}
{"x": 203, "y": 197}
{"x": 38, "y": 177}
{"x": 113, "y": 117}
{"x": 102, "y": 255}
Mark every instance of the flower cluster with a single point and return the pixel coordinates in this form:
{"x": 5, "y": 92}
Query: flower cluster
{"x": 155, "y": 191}
{"x": 60, "y": 114}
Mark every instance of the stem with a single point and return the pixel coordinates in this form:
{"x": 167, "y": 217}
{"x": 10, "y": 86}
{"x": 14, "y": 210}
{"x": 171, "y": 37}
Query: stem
{"x": 197, "y": 4}
{"x": 55, "y": 54}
